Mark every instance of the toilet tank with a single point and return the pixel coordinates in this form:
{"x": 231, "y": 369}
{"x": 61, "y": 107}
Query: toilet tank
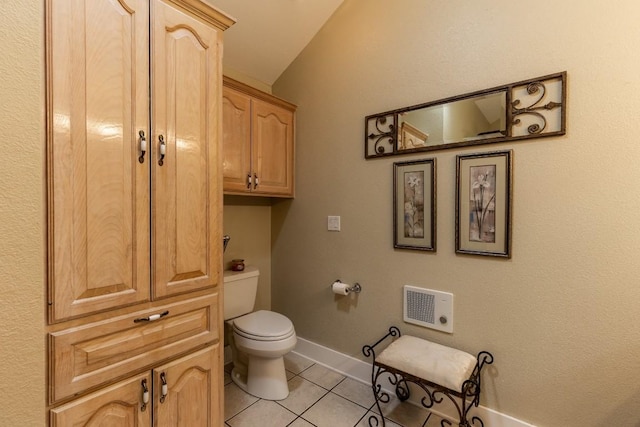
{"x": 240, "y": 289}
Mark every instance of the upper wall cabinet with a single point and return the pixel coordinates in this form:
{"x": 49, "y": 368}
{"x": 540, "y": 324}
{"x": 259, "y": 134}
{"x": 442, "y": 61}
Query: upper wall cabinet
{"x": 108, "y": 158}
{"x": 258, "y": 142}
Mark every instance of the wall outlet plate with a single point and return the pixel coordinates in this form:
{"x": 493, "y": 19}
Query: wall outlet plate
{"x": 333, "y": 223}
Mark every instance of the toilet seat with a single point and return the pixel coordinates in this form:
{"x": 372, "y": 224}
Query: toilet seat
{"x": 264, "y": 325}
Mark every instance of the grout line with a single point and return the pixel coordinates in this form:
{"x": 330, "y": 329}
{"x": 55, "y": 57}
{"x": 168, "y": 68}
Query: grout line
{"x": 229, "y": 419}
{"x": 339, "y": 382}
{"x": 314, "y": 403}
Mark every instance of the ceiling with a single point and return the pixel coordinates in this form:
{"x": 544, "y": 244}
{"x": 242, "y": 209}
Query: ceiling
{"x": 269, "y": 34}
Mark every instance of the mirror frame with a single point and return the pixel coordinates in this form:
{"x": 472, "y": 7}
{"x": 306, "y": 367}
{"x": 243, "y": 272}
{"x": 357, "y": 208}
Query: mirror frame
{"x": 381, "y": 130}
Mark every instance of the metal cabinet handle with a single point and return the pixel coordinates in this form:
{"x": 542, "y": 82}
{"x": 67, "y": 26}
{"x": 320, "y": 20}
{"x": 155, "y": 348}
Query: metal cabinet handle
{"x": 143, "y": 146}
{"x": 145, "y": 395}
{"x": 164, "y": 390}
{"x": 252, "y": 181}
{"x": 163, "y": 150}
{"x": 151, "y": 318}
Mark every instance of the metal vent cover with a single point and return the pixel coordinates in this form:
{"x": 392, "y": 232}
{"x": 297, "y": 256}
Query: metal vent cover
{"x": 428, "y": 308}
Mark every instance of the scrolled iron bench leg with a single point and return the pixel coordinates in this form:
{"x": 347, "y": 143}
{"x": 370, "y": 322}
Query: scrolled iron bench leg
{"x": 378, "y": 394}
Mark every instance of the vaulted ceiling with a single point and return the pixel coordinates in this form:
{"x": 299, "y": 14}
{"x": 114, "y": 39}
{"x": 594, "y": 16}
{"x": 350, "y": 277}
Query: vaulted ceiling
{"x": 269, "y": 34}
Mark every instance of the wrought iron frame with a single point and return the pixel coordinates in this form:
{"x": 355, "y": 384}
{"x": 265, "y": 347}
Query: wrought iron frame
{"x": 381, "y": 130}
{"x": 463, "y": 400}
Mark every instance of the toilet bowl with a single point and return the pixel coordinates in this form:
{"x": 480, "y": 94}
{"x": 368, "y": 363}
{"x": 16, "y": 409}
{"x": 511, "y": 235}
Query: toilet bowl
{"x": 259, "y": 340}
{"x": 264, "y": 337}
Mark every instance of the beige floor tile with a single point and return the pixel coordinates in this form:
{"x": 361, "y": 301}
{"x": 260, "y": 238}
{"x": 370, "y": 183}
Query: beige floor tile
{"x": 403, "y": 413}
{"x": 264, "y": 413}
{"x": 301, "y": 423}
{"x": 356, "y": 392}
{"x": 295, "y": 363}
{"x": 322, "y": 376}
{"x": 334, "y": 411}
{"x": 302, "y": 395}
{"x": 345, "y": 406}
{"x": 235, "y": 400}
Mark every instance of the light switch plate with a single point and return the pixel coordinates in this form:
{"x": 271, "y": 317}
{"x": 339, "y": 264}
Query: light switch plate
{"x": 333, "y": 223}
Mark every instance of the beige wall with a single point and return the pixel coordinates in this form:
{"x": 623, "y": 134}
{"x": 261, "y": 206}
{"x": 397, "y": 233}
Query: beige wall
{"x": 248, "y": 221}
{"x": 561, "y": 316}
{"x": 237, "y": 75}
{"x": 22, "y": 212}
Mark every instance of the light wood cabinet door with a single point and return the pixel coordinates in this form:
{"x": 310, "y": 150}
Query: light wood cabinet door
{"x": 187, "y": 182}
{"x": 98, "y": 191}
{"x": 236, "y": 127}
{"x": 272, "y": 155}
{"x": 193, "y": 391}
{"x": 120, "y": 405}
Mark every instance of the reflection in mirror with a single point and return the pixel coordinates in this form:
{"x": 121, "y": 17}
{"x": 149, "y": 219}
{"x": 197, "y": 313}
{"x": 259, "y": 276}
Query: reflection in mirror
{"x": 527, "y": 109}
{"x": 479, "y": 117}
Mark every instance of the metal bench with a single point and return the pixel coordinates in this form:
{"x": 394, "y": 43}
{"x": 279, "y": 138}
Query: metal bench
{"x": 438, "y": 370}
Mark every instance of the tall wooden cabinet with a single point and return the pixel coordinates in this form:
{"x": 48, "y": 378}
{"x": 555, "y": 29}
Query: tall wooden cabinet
{"x": 134, "y": 256}
{"x": 258, "y": 142}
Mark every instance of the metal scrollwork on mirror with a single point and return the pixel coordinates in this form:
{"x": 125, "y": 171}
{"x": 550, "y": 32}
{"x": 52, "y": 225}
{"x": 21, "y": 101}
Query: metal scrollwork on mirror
{"x": 528, "y": 109}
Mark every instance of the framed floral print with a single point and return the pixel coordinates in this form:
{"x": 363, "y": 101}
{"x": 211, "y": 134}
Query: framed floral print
{"x": 483, "y": 203}
{"x": 414, "y": 201}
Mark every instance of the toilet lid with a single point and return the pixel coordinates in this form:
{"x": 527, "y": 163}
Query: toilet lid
{"x": 264, "y": 323}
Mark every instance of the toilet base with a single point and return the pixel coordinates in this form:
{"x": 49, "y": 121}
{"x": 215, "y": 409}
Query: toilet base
{"x": 266, "y": 378}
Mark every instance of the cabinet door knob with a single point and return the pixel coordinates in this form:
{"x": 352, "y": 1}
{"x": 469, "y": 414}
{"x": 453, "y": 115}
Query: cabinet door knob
{"x": 163, "y": 150}
{"x": 249, "y": 181}
{"x": 256, "y": 181}
{"x": 143, "y": 146}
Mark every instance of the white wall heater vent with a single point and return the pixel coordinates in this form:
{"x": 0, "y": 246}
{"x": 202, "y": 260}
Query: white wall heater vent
{"x": 428, "y": 308}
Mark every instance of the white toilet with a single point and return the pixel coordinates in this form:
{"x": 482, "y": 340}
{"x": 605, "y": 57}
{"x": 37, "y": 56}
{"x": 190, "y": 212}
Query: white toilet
{"x": 260, "y": 339}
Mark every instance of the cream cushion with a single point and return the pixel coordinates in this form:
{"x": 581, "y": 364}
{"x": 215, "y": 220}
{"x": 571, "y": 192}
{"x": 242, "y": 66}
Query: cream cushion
{"x": 433, "y": 362}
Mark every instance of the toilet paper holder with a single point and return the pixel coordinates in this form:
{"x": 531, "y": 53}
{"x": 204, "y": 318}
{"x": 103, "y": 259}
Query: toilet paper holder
{"x": 353, "y": 288}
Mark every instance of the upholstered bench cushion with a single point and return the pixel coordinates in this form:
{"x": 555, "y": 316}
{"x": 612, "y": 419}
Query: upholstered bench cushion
{"x": 433, "y": 362}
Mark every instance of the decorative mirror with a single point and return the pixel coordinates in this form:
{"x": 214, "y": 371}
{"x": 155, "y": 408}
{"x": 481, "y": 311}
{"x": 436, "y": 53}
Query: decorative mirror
{"x": 523, "y": 110}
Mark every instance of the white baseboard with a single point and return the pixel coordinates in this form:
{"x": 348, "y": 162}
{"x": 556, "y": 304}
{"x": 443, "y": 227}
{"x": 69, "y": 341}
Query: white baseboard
{"x": 361, "y": 371}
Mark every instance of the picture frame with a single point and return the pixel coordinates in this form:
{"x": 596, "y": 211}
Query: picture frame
{"x": 484, "y": 184}
{"x": 414, "y": 205}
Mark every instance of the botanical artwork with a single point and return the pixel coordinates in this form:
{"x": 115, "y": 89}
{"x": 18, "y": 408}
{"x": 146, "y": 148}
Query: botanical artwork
{"x": 482, "y": 204}
{"x": 414, "y": 204}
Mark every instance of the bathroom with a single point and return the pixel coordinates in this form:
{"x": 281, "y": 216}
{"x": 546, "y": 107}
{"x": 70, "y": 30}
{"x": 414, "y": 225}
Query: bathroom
{"x": 560, "y": 316}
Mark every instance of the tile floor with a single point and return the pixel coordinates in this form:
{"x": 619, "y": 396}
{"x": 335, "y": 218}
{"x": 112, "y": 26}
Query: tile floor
{"x": 317, "y": 397}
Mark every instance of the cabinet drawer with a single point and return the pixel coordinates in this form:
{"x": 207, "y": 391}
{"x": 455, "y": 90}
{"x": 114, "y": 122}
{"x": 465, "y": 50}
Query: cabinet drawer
{"x": 87, "y": 356}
